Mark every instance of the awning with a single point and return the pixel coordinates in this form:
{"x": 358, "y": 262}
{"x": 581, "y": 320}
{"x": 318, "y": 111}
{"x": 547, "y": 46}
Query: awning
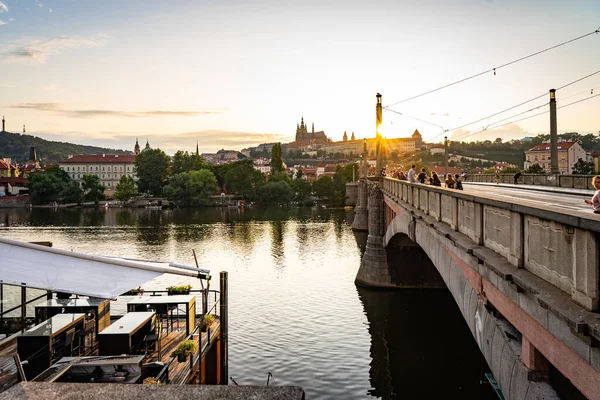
{"x": 40, "y": 267}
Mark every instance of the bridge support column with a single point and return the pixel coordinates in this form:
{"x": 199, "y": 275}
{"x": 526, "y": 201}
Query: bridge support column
{"x": 361, "y": 222}
{"x": 374, "y": 269}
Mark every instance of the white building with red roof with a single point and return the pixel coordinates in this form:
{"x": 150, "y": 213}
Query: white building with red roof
{"x": 568, "y": 154}
{"x": 108, "y": 167}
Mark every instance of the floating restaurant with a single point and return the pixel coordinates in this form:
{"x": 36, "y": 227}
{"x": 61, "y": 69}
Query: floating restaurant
{"x": 176, "y": 336}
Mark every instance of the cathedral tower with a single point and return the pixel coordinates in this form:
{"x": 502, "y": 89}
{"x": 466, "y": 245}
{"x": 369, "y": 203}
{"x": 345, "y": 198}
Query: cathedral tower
{"x": 136, "y": 149}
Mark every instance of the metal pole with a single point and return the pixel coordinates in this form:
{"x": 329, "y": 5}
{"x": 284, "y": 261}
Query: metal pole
{"x": 445, "y": 156}
{"x": 553, "y": 135}
{"x": 224, "y": 331}
{"x": 23, "y": 306}
{"x": 378, "y": 121}
{"x": 365, "y": 170}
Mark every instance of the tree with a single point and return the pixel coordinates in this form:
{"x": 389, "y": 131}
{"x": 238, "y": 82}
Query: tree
{"x": 535, "y": 169}
{"x": 323, "y": 187}
{"x": 349, "y": 175}
{"x": 191, "y": 188}
{"x": 276, "y": 158}
{"x": 339, "y": 187}
{"x": 48, "y": 185}
{"x": 242, "y": 178}
{"x": 126, "y": 188}
{"x": 302, "y": 191}
{"x": 93, "y": 190}
{"x": 583, "y": 168}
{"x": 185, "y": 162}
{"x": 299, "y": 174}
{"x": 72, "y": 193}
{"x": 152, "y": 170}
{"x": 275, "y": 193}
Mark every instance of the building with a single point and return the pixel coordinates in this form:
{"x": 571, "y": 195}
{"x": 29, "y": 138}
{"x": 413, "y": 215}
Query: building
{"x": 109, "y": 168}
{"x": 13, "y": 186}
{"x": 568, "y": 154}
{"x": 7, "y": 169}
{"x": 302, "y": 133}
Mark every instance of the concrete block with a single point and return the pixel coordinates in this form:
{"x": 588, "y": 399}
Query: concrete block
{"x": 519, "y": 382}
{"x": 498, "y": 344}
{"x": 559, "y": 329}
{"x": 502, "y": 232}
{"x": 489, "y": 330}
{"x": 469, "y": 220}
{"x": 549, "y": 251}
{"x": 507, "y": 364}
{"x": 595, "y": 357}
{"x": 586, "y": 269}
{"x": 529, "y": 304}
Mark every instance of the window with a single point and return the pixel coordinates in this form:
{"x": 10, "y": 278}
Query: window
{"x": 77, "y": 168}
{"x": 102, "y": 170}
{"x": 96, "y": 168}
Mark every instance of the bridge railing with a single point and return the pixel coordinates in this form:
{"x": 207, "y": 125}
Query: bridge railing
{"x": 562, "y": 181}
{"x": 554, "y": 243}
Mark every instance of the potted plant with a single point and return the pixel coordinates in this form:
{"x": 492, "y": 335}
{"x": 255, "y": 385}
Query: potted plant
{"x": 151, "y": 381}
{"x": 186, "y": 348}
{"x": 183, "y": 289}
{"x": 135, "y": 292}
{"x": 207, "y": 322}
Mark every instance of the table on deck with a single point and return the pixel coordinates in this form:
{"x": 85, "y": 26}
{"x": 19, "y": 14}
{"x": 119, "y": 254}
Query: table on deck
{"x": 41, "y": 344}
{"x": 52, "y": 307}
{"x": 126, "y": 333}
{"x": 162, "y": 304}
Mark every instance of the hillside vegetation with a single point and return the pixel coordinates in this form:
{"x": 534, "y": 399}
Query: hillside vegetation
{"x": 16, "y": 146}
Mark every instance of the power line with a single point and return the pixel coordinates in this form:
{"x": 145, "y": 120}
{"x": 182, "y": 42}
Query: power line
{"x": 531, "y": 116}
{"x": 496, "y": 68}
{"x": 415, "y": 118}
{"x": 518, "y": 105}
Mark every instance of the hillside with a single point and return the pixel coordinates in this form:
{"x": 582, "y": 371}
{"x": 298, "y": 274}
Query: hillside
{"x": 16, "y": 146}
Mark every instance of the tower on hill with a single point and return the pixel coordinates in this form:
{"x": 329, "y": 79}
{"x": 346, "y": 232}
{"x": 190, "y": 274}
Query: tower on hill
{"x": 3, "y": 130}
{"x": 136, "y": 148}
{"x": 303, "y": 134}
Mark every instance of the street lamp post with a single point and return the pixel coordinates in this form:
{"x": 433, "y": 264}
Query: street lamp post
{"x": 378, "y": 121}
{"x": 445, "y": 157}
{"x": 553, "y": 135}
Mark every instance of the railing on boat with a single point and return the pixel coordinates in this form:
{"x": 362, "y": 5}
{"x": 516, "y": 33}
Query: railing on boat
{"x": 183, "y": 375}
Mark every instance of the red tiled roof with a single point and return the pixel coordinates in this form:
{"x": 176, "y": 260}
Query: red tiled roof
{"x": 5, "y": 165}
{"x": 13, "y": 181}
{"x": 98, "y": 158}
{"x": 546, "y": 146}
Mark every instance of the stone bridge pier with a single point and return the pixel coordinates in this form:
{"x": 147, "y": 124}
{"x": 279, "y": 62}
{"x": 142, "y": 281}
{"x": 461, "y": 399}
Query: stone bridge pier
{"x": 526, "y": 280}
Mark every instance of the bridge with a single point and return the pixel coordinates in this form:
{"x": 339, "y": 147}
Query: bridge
{"x": 522, "y": 266}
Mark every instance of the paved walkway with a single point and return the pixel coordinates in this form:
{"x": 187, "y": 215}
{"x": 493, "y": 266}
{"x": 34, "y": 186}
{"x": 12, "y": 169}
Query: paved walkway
{"x": 539, "y": 188}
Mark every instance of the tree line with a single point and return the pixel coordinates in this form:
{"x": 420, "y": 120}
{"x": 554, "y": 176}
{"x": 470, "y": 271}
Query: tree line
{"x": 187, "y": 180}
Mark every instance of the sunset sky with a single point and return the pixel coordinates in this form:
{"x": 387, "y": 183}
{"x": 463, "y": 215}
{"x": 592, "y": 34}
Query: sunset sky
{"x": 232, "y": 74}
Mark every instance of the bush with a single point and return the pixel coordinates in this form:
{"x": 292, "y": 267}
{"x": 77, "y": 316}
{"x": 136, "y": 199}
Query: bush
{"x": 207, "y": 321}
{"x": 185, "y": 349}
{"x": 184, "y": 289}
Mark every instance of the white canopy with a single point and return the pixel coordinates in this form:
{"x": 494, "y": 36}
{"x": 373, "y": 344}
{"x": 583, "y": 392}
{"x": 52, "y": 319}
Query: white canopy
{"x": 40, "y": 267}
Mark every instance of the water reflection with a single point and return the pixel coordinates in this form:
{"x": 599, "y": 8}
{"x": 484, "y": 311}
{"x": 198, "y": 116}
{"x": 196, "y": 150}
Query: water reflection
{"x": 421, "y": 347}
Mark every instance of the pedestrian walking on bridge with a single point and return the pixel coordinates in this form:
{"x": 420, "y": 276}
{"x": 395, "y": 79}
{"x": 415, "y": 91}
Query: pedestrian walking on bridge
{"x": 595, "y": 202}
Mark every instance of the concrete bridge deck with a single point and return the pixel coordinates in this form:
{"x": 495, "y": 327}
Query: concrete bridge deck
{"x": 522, "y": 266}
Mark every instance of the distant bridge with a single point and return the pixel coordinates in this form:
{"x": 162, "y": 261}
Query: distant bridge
{"x": 524, "y": 274}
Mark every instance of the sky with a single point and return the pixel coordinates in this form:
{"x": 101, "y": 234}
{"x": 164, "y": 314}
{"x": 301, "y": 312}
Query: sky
{"x": 233, "y": 74}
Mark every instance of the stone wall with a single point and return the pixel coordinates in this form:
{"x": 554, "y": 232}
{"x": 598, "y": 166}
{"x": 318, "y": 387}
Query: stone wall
{"x": 351, "y": 193}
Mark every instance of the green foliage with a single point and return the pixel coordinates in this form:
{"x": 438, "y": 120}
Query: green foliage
{"x": 16, "y": 146}
{"x": 186, "y": 348}
{"x": 152, "y": 170}
{"x": 93, "y": 190}
{"x": 510, "y": 170}
{"x": 48, "y": 185}
{"x": 348, "y": 174}
{"x": 535, "y": 169}
{"x": 339, "y": 186}
{"x": 191, "y": 188}
{"x": 185, "y": 162}
{"x": 183, "y": 289}
{"x": 208, "y": 321}
{"x": 72, "y": 193}
{"x": 280, "y": 177}
{"x": 302, "y": 191}
{"x": 276, "y": 158}
{"x": 583, "y": 168}
{"x": 275, "y": 193}
{"x": 242, "y": 178}
{"x": 323, "y": 187}
{"x": 126, "y": 188}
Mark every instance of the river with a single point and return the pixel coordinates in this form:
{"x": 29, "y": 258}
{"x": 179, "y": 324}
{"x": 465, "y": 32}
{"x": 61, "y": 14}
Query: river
{"x": 293, "y": 307}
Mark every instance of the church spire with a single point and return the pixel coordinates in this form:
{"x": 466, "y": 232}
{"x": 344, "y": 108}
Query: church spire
{"x": 352, "y": 138}
{"x": 23, "y": 128}
{"x": 345, "y": 139}
{"x": 313, "y": 127}
{"x": 197, "y": 152}
{"x": 147, "y": 145}
{"x": 136, "y": 148}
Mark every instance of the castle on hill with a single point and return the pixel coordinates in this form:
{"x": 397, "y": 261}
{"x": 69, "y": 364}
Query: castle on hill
{"x": 302, "y": 133}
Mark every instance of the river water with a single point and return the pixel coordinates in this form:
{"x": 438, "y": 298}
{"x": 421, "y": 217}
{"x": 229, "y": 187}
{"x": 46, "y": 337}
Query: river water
{"x": 294, "y": 310}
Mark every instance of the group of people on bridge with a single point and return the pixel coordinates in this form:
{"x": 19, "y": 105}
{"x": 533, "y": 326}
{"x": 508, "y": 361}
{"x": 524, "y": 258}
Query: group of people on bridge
{"x": 450, "y": 181}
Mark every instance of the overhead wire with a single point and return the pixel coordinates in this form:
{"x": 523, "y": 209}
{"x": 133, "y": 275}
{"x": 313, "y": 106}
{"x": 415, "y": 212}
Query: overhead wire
{"x": 415, "y": 118}
{"x": 494, "y": 70}
{"x": 518, "y": 105}
{"x": 528, "y": 117}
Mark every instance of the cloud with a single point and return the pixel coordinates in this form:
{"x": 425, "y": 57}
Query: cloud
{"x": 3, "y": 8}
{"x": 39, "y": 3}
{"x": 59, "y": 108}
{"x": 3, "y": 23}
{"x": 38, "y": 49}
{"x": 49, "y": 10}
